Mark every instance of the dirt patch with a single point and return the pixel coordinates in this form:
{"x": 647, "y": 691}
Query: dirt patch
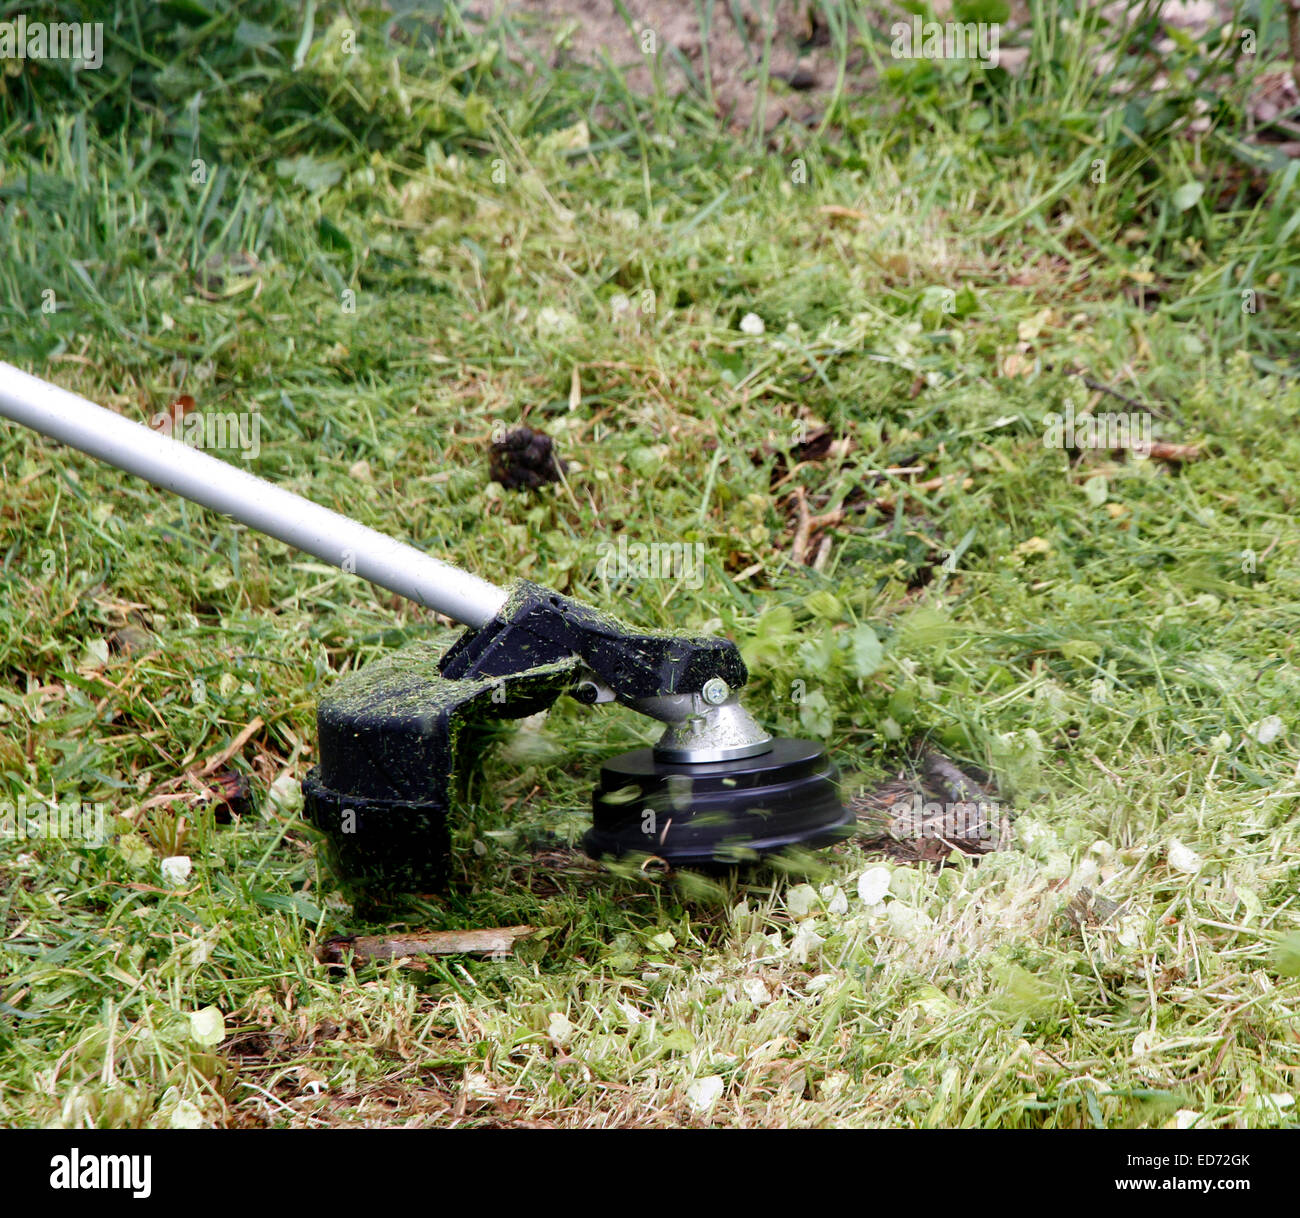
{"x": 666, "y": 44}
{"x": 925, "y": 817}
{"x": 754, "y": 63}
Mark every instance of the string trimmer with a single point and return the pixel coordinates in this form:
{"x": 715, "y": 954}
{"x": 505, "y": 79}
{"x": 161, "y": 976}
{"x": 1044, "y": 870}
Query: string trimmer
{"x": 715, "y": 789}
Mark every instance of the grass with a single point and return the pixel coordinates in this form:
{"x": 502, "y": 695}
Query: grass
{"x": 390, "y": 255}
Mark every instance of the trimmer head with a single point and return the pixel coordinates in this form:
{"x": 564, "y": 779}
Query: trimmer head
{"x": 717, "y": 813}
{"x": 715, "y": 790}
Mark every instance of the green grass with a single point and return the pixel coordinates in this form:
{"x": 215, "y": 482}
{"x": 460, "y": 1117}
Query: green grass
{"x": 389, "y": 256}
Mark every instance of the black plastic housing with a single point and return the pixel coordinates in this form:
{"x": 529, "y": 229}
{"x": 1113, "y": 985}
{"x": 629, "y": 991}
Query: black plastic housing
{"x": 390, "y": 738}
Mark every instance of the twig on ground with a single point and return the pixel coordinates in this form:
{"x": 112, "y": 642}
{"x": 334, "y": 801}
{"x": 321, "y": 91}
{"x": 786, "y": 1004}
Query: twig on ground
{"x": 808, "y": 525}
{"x": 215, "y": 763}
{"x": 1175, "y": 452}
{"x": 487, "y": 942}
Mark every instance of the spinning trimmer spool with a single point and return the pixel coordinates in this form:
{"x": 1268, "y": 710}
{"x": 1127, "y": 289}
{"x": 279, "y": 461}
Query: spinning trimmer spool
{"x": 715, "y": 790}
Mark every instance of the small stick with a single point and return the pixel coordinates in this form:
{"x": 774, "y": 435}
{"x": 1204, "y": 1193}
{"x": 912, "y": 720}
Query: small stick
{"x": 836, "y": 212}
{"x": 808, "y": 525}
{"x": 1097, "y": 761}
{"x": 235, "y": 745}
{"x": 1174, "y": 452}
{"x": 487, "y": 942}
{"x": 1101, "y": 387}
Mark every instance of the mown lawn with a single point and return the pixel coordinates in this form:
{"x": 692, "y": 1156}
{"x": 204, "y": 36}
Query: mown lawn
{"x": 392, "y": 254}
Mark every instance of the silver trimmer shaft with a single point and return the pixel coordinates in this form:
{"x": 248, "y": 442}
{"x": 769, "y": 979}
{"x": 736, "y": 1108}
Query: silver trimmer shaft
{"x": 226, "y": 488}
{"x": 701, "y": 729}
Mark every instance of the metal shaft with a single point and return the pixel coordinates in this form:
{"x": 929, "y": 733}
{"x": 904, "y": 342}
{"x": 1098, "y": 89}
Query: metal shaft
{"x": 226, "y": 488}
